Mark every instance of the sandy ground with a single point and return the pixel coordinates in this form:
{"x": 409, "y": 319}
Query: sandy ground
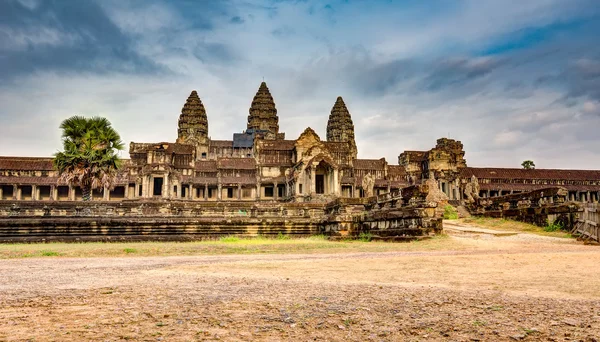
{"x": 520, "y": 287}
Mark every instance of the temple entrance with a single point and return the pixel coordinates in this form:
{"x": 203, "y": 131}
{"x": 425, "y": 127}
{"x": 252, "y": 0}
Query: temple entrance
{"x": 158, "y": 184}
{"x": 320, "y": 184}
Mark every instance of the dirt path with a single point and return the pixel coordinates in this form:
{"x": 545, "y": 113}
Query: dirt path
{"x": 491, "y": 289}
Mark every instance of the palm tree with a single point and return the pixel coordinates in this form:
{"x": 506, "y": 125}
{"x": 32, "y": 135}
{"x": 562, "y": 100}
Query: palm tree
{"x": 528, "y": 164}
{"x": 89, "y": 159}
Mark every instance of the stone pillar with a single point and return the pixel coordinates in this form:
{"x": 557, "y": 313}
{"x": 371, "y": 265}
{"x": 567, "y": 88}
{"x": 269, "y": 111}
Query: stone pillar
{"x": 219, "y": 192}
{"x": 313, "y": 180}
{"x": 205, "y": 192}
{"x": 71, "y": 193}
{"x": 257, "y": 190}
{"x": 336, "y": 183}
{"x": 275, "y": 191}
{"x": 15, "y": 192}
{"x": 588, "y": 198}
{"x": 1, "y": 193}
{"x": 34, "y": 193}
{"x": 106, "y": 194}
{"x": 239, "y": 194}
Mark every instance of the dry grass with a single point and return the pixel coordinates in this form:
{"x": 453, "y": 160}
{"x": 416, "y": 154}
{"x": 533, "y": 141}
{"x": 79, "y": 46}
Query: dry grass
{"x": 504, "y": 224}
{"x": 227, "y": 245}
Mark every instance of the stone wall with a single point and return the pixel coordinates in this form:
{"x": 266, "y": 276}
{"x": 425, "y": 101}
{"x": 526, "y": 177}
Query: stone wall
{"x": 539, "y": 207}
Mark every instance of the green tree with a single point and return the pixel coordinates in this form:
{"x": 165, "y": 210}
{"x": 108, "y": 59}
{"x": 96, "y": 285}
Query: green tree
{"x": 528, "y": 164}
{"x": 89, "y": 159}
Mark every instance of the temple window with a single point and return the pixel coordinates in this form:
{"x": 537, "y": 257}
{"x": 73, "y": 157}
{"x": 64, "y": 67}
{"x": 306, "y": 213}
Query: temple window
{"x": 269, "y": 191}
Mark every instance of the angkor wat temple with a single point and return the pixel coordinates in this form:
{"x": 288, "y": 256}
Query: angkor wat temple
{"x": 259, "y": 164}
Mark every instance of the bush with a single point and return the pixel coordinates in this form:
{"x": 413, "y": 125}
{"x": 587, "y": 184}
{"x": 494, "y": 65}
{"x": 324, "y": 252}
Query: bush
{"x": 365, "y": 237}
{"x": 553, "y": 227}
{"x": 450, "y": 213}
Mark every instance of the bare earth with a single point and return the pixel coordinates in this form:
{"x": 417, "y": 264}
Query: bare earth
{"x": 478, "y": 288}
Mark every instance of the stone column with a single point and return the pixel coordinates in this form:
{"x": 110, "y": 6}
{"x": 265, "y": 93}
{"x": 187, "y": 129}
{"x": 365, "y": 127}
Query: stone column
{"x": 313, "y": 180}
{"x": 219, "y": 192}
{"x": 71, "y": 193}
{"x": 336, "y": 183}
{"x": 53, "y": 193}
{"x": 239, "y": 195}
{"x": 257, "y": 190}
{"x": 275, "y": 191}
{"x": 1, "y": 192}
{"x": 588, "y": 198}
{"x": 106, "y": 194}
{"x": 15, "y": 192}
{"x": 34, "y": 193}
{"x": 205, "y": 192}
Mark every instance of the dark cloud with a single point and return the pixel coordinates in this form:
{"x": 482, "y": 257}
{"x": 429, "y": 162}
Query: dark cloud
{"x": 64, "y": 35}
{"x": 458, "y": 72}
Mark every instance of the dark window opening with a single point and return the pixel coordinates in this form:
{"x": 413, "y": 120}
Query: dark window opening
{"x": 158, "y": 184}
{"x": 320, "y": 184}
{"x": 210, "y": 192}
{"x": 63, "y": 192}
{"x": 229, "y": 192}
{"x": 300, "y": 188}
{"x": 269, "y": 191}
{"x": 26, "y": 192}
{"x": 7, "y": 192}
{"x": 203, "y": 155}
{"x": 140, "y": 191}
{"x": 281, "y": 190}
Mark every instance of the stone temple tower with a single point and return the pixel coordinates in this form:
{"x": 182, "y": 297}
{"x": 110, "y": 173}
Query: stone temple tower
{"x": 263, "y": 114}
{"x": 193, "y": 125}
{"x": 340, "y": 127}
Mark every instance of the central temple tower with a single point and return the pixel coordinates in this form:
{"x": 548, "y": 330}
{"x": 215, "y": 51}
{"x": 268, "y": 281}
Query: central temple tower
{"x": 340, "y": 127}
{"x": 263, "y": 114}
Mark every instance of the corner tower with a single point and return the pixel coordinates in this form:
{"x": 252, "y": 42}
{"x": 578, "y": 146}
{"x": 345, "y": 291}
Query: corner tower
{"x": 193, "y": 125}
{"x": 340, "y": 127}
{"x": 263, "y": 114}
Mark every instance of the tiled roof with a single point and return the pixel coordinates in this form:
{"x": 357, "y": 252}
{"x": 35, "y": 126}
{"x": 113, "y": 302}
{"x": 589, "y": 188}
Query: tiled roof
{"x": 396, "y": 172}
{"x": 505, "y": 173}
{"x": 278, "y": 145}
{"x": 369, "y": 164}
{"x": 323, "y": 157}
{"x": 531, "y": 187}
{"x": 238, "y": 180}
{"x": 28, "y": 180}
{"x": 221, "y": 143}
{"x": 347, "y": 180}
{"x": 26, "y": 163}
{"x": 236, "y": 163}
{"x": 206, "y": 166}
{"x": 199, "y": 180}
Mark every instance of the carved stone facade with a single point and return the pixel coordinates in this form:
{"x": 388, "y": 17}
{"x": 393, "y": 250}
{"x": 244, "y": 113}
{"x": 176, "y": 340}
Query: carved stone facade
{"x": 259, "y": 164}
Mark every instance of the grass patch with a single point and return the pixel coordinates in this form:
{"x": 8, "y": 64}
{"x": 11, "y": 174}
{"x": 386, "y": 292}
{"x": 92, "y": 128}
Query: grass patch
{"x": 504, "y": 224}
{"x": 365, "y": 237}
{"x": 450, "y": 213}
{"x": 553, "y": 227}
{"x": 229, "y": 238}
{"x": 243, "y": 245}
{"x": 281, "y": 236}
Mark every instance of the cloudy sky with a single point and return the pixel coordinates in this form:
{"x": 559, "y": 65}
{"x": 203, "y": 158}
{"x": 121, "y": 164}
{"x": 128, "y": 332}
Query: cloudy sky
{"x": 513, "y": 80}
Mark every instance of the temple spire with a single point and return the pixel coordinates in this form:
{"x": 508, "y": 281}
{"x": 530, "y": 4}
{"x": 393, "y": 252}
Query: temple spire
{"x": 339, "y": 126}
{"x": 193, "y": 122}
{"x": 263, "y": 114}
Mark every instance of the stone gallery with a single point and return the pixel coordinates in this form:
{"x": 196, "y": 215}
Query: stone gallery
{"x": 260, "y": 164}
